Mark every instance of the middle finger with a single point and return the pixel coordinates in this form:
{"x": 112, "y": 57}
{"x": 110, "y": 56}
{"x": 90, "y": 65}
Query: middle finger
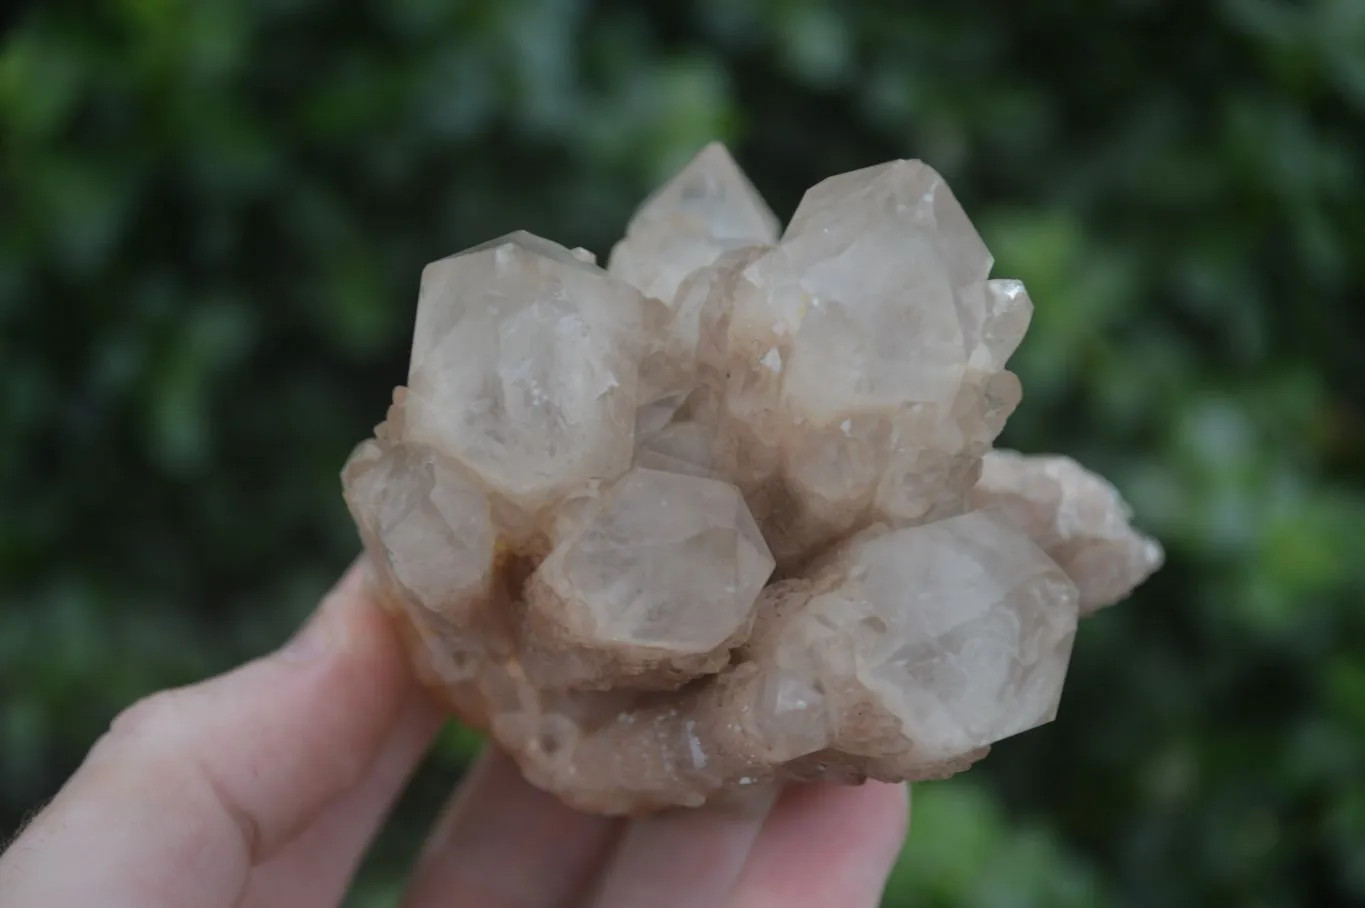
{"x": 684, "y": 858}
{"x": 505, "y": 844}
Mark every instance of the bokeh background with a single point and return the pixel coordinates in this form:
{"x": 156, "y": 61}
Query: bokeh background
{"x": 212, "y": 219}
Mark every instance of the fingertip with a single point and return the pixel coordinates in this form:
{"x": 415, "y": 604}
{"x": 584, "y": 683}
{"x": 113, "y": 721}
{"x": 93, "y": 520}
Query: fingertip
{"x": 874, "y": 817}
{"x": 502, "y": 841}
{"x": 690, "y": 857}
{"x": 891, "y": 808}
{"x": 826, "y": 846}
{"x": 347, "y": 617}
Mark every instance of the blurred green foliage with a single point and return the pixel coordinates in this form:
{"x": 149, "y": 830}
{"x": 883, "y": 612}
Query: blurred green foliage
{"x": 215, "y": 213}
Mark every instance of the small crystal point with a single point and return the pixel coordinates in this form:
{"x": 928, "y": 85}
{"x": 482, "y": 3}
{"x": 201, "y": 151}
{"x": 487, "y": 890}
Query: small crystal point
{"x": 1005, "y": 317}
{"x": 708, "y": 208}
{"x": 1077, "y": 517}
{"x": 715, "y": 196}
{"x": 431, "y": 522}
{"x": 909, "y": 192}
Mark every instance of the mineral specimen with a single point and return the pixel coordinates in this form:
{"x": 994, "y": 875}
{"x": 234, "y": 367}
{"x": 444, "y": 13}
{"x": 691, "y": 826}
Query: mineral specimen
{"x": 726, "y": 513}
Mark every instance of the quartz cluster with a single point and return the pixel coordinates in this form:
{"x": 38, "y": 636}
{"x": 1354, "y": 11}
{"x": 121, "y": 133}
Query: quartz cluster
{"x": 727, "y": 512}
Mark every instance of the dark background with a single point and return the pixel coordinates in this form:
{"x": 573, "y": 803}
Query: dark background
{"x": 212, "y": 220}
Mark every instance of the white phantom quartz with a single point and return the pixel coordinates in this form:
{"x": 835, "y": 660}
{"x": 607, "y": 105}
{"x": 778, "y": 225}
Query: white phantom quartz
{"x": 727, "y": 511}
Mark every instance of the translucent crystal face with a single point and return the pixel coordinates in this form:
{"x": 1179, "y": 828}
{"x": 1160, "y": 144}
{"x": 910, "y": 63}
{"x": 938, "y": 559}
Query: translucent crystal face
{"x": 964, "y": 629}
{"x": 578, "y": 505}
{"x": 429, "y": 522}
{"x": 878, "y": 257}
{"x": 525, "y": 367}
{"x": 1004, "y": 318}
{"x": 792, "y": 714}
{"x": 668, "y": 560}
{"x": 708, "y": 208}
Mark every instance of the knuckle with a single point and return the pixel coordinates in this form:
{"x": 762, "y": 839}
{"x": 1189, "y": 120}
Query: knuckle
{"x": 150, "y": 717}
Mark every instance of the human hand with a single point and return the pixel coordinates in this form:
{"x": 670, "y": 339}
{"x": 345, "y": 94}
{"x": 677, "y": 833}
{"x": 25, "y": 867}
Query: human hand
{"x": 265, "y": 786}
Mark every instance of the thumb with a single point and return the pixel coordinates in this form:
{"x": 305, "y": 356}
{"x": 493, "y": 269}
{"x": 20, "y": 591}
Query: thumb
{"x": 191, "y": 788}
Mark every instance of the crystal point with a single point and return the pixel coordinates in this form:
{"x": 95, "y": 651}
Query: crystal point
{"x": 664, "y": 566}
{"x": 525, "y": 367}
{"x": 1077, "y": 517}
{"x": 708, "y": 208}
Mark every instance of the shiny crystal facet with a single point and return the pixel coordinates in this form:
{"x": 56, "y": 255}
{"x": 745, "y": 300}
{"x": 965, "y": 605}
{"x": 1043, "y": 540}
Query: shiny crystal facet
{"x": 918, "y": 647}
{"x": 660, "y": 569}
{"x": 430, "y": 523}
{"x": 877, "y": 257}
{"x": 708, "y": 208}
{"x": 524, "y": 367}
{"x": 958, "y": 671}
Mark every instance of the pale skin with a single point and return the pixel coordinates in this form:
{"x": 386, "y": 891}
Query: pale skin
{"x": 264, "y": 787}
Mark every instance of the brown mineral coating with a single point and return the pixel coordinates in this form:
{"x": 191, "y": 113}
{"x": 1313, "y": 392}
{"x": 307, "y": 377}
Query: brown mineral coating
{"x": 627, "y": 752}
{"x": 576, "y": 506}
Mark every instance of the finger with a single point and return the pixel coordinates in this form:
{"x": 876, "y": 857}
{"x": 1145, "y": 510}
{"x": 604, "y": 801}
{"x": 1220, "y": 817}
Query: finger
{"x": 826, "y": 846}
{"x": 505, "y": 844}
{"x": 191, "y": 788}
{"x": 684, "y": 858}
{"x": 315, "y": 868}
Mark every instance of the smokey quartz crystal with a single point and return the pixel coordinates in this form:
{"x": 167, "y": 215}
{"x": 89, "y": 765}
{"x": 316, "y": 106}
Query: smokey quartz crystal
{"x": 727, "y": 512}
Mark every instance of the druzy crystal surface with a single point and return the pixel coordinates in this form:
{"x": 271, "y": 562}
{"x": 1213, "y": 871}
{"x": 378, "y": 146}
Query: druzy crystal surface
{"x": 727, "y": 511}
